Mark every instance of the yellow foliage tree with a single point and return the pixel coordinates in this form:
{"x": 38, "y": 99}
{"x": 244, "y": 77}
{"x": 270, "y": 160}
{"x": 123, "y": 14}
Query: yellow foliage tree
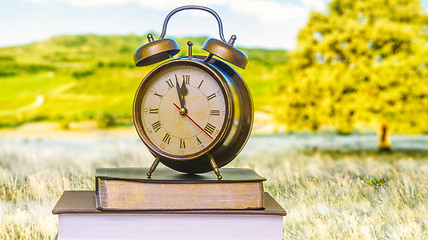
{"x": 361, "y": 63}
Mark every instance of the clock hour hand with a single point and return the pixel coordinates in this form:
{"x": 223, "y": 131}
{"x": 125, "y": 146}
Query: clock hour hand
{"x": 180, "y": 96}
{"x": 184, "y": 90}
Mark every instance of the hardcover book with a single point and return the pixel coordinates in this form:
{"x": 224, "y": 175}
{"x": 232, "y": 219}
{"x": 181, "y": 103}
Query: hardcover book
{"x": 130, "y": 189}
{"x": 78, "y": 218}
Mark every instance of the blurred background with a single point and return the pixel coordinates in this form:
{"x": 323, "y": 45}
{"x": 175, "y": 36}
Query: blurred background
{"x": 315, "y": 65}
{"x": 340, "y": 89}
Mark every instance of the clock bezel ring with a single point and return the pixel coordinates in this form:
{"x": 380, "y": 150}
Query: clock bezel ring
{"x": 144, "y": 87}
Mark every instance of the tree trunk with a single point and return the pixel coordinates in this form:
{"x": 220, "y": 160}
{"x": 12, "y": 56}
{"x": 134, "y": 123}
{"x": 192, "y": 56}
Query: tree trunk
{"x": 384, "y": 142}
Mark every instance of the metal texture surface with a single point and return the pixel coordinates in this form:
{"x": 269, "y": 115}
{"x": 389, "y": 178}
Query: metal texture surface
{"x": 159, "y": 50}
{"x": 155, "y": 51}
{"x": 235, "y": 132}
{"x": 226, "y": 52}
{"x": 194, "y": 7}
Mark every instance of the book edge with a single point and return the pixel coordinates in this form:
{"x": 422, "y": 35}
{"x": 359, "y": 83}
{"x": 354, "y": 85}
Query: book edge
{"x": 103, "y": 172}
{"x": 202, "y": 203}
{"x": 272, "y": 207}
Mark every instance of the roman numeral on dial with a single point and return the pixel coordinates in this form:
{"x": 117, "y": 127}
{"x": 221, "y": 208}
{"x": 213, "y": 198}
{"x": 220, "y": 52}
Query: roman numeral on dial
{"x": 198, "y": 140}
{"x": 211, "y": 96}
{"x": 209, "y": 128}
{"x": 182, "y": 143}
{"x": 154, "y": 110}
{"x": 169, "y": 82}
{"x": 157, "y": 94}
{"x": 156, "y": 126}
{"x": 215, "y": 112}
{"x": 167, "y": 138}
{"x": 200, "y": 84}
{"x": 186, "y": 79}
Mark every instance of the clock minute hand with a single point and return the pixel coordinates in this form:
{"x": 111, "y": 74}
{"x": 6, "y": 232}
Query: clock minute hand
{"x": 180, "y": 96}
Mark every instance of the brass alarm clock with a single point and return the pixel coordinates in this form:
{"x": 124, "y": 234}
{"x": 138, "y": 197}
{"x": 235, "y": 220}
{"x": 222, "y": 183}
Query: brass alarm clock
{"x": 194, "y": 113}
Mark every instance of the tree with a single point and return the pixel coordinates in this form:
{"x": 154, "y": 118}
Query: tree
{"x": 361, "y": 64}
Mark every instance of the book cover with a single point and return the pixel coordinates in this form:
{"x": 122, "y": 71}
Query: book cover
{"x": 130, "y": 189}
{"x": 78, "y": 218}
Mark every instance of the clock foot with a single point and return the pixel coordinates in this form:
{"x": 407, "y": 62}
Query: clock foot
{"x": 215, "y": 168}
{"x": 153, "y": 167}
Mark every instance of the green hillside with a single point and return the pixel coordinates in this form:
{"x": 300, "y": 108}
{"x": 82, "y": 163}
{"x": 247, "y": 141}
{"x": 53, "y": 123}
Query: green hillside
{"x": 82, "y": 77}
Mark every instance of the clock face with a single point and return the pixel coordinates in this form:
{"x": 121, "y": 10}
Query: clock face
{"x": 184, "y": 110}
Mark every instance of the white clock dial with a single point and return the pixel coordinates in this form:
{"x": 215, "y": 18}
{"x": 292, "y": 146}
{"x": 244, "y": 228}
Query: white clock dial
{"x": 187, "y": 131}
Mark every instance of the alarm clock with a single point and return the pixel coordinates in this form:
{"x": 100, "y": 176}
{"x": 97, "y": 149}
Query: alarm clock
{"x": 194, "y": 113}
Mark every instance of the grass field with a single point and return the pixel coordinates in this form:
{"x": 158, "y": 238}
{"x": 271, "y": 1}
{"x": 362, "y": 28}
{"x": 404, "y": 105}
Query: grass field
{"x": 85, "y": 77}
{"x": 328, "y": 194}
{"x": 333, "y": 187}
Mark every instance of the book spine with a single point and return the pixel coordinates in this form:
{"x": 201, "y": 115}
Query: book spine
{"x": 126, "y": 195}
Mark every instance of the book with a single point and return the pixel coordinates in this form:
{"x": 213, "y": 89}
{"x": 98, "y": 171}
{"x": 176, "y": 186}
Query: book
{"x": 78, "y": 218}
{"x": 131, "y": 189}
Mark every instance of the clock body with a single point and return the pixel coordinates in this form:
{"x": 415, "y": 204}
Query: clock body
{"x": 213, "y": 118}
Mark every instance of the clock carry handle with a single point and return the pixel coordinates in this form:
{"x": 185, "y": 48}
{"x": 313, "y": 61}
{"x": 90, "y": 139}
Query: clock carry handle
{"x": 196, "y": 7}
{"x": 161, "y": 49}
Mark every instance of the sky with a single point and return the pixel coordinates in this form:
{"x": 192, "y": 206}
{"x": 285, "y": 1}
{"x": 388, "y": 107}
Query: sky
{"x": 256, "y": 23}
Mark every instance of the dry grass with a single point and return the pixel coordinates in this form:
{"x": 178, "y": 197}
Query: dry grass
{"x": 327, "y": 194}
{"x": 352, "y": 195}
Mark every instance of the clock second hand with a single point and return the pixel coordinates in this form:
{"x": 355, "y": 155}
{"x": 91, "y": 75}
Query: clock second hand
{"x": 193, "y": 121}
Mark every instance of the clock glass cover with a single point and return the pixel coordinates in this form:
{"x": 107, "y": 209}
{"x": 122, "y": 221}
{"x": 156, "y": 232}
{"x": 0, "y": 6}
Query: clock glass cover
{"x": 184, "y": 111}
